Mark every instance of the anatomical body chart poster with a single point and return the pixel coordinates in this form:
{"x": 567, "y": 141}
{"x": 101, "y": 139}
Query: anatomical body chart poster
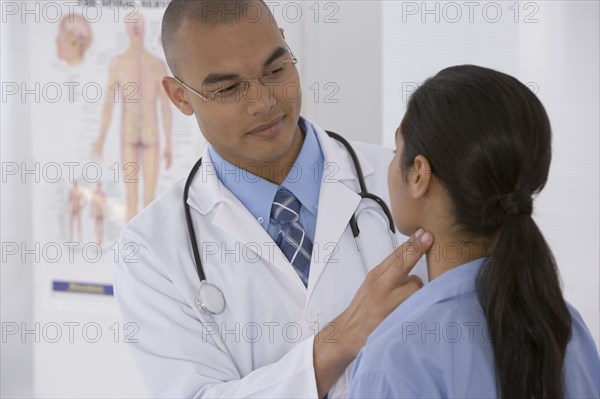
{"x": 106, "y": 139}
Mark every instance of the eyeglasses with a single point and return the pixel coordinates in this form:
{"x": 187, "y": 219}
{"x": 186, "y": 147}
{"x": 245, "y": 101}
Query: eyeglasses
{"x": 232, "y": 92}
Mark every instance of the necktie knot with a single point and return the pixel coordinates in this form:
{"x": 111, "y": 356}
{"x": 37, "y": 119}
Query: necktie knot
{"x": 286, "y": 207}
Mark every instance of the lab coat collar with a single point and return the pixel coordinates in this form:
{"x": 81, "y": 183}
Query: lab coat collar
{"x": 207, "y": 190}
{"x": 338, "y": 163}
{"x": 339, "y": 200}
{"x": 225, "y": 212}
{"x": 338, "y": 197}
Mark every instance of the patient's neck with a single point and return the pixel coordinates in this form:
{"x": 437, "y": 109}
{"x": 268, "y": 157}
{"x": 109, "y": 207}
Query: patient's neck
{"x": 451, "y": 250}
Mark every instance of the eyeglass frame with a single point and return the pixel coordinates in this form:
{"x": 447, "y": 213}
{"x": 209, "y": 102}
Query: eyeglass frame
{"x": 294, "y": 60}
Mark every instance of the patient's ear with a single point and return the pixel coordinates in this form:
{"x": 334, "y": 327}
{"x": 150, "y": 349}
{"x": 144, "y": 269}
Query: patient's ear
{"x": 419, "y": 179}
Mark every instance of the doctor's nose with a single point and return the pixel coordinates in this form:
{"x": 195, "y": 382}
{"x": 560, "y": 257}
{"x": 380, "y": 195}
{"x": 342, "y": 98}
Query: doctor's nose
{"x": 260, "y": 98}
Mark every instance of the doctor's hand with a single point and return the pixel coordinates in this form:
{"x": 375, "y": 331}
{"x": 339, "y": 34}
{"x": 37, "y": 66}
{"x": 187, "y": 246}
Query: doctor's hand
{"x": 385, "y": 287}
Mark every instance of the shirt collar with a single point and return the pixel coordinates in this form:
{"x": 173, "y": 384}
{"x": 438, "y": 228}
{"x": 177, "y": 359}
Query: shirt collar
{"x": 454, "y": 282}
{"x": 257, "y": 194}
{"x": 304, "y": 179}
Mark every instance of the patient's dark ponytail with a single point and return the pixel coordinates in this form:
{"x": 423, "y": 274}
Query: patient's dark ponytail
{"x": 488, "y": 139}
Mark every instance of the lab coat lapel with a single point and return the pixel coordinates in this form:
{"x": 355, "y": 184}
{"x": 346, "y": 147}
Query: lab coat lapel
{"x": 213, "y": 200}
{"x": 235, "y": 219}
{"x": 338, "y": 203}
{"x": 338, "y": 200}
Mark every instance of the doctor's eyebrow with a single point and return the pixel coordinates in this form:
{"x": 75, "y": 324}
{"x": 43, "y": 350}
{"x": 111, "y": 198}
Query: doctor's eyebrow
{"x": 278, "y": 52}
{"x": 213, "y": 78}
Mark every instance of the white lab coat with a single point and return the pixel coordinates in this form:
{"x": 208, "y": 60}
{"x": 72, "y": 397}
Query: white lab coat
{"x": 262, "y": 344}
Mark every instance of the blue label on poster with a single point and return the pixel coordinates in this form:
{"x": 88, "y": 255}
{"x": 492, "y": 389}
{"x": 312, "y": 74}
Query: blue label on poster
{"x": 82, "y": 288}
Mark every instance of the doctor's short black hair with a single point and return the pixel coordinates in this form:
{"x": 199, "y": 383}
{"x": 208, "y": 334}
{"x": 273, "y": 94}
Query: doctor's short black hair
{"x": 206, "y": 12}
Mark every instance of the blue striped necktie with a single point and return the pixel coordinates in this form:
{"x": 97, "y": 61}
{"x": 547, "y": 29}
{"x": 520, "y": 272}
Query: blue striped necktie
{"x": 292, "y": 238}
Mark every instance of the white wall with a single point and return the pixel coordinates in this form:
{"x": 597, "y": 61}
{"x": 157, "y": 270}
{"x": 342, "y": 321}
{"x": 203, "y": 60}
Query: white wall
{"x": 556, "y": 53}
{"x": 16, "y": 278}
{"x": 342, "y": 58}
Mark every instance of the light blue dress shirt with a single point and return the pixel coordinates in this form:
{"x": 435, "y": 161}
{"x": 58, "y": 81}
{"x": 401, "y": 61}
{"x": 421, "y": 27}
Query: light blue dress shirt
{"x": 257, "y": 194}
{"x": 436, "y": 345}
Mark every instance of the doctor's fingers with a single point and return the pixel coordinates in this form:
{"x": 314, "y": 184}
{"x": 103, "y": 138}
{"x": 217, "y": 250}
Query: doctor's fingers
{"x": 412, "y": 279}
{"x": 396, "y": 267}
{"x": 411, "y": 285}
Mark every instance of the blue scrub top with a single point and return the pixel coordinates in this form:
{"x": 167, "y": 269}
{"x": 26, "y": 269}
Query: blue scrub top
{"x": 436, "y": 345}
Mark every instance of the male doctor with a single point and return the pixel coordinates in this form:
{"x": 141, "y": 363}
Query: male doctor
{"x": 270, "y": 206}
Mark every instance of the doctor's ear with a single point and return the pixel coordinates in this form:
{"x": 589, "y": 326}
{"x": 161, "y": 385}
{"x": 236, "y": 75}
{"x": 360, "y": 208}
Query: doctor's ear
{"x": 177, "y": 95}
{"x": 419, "y": 177}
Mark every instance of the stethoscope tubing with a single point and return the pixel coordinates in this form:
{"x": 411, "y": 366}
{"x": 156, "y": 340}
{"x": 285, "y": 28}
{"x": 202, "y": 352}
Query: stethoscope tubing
{"x": 210, "y": 299}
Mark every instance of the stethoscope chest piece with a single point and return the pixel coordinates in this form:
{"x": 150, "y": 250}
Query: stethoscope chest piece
{"x": 210, "y": 299}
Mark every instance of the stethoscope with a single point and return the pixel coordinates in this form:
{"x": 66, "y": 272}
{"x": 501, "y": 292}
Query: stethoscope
{"x": 210, "y": 299}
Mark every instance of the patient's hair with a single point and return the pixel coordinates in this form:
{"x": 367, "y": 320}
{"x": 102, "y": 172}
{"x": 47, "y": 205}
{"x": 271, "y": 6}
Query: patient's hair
{"x": 206, "y": 12}
{"x": 494, "y": 134}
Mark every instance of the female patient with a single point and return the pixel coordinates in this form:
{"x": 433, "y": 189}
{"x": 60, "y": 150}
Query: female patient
{"x": 471, "y": 151}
